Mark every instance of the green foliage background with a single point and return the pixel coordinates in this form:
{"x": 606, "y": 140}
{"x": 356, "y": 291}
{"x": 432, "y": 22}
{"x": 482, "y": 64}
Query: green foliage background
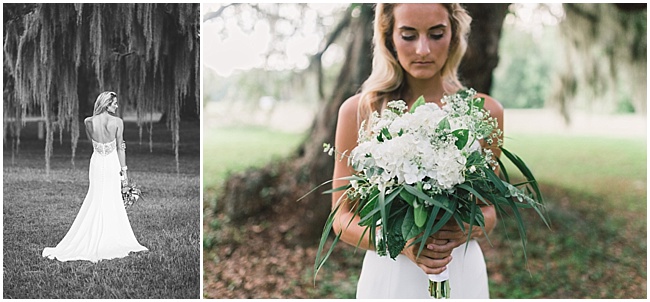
{"x": 526, "y": 65}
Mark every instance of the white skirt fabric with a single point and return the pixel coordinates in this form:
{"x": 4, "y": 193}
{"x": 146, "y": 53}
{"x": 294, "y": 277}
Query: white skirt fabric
{"x": 385, "y": 278}
{"x": 101, "y": 229}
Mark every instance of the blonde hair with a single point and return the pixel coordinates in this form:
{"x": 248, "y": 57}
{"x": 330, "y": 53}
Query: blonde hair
{"x": 387, "y": 77}
{"x": 103, "y": 101}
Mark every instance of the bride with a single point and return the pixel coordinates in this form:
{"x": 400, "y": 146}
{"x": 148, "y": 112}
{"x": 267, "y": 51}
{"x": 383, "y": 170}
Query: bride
{"x": 417, "y": 50}
{"x": 101, "y": 229}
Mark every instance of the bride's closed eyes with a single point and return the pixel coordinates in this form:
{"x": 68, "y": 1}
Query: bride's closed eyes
{"x": 411, "y": 35}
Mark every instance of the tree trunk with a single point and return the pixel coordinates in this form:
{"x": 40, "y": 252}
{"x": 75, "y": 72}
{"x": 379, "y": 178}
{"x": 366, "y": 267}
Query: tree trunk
{"x": 248, "y": 193}
{"x": 274, "y": 189}
{"x": 482, "y": 54}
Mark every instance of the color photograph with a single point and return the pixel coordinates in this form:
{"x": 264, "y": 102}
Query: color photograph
{"x": 424, "y": 150}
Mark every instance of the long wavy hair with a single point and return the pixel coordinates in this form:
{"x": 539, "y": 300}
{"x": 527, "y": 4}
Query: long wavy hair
{"x": 387, "y": 77}
{"x": 104, "y": 100}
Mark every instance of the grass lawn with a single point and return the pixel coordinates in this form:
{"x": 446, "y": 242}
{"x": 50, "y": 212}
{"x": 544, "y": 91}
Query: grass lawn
{"x": 38, "y": 210}
{"x": 234, "y": 149}
{"x": 595, "y": 191}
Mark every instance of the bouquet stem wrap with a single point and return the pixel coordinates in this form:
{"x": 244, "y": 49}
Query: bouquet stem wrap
{"x": 439, "y": 285}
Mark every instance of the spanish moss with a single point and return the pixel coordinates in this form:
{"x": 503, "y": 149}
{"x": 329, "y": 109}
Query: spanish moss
{"x": 59, "y": 57}
{"x": 605, "y": 58}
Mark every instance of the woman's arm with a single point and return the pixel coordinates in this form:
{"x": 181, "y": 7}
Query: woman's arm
{"x": 89, "y": 124}
{"x": 345, "y": 222}
{"x": 119, "y": 140}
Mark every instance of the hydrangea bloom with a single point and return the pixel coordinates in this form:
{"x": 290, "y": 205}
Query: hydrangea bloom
{"x": 400, "y": 147}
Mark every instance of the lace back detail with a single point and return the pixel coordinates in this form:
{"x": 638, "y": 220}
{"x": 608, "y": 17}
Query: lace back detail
{"x": 104, "y": 148}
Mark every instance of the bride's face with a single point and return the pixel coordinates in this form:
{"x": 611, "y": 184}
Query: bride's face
{"x": 421, "y": 35}
{"x": 112, "y": 108}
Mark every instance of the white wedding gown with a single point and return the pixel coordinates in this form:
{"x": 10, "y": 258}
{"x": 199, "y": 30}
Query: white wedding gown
{"x": 101, "y": 229}
{"x": 385, "y": 278}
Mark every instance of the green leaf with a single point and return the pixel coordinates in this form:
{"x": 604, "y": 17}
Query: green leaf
{"x": 462, "y": 136}
{"x": 444, "y": 124}
{"x": 503, "y": 170}
{"x": 431, "y": 227}
{"x": 369, "y": 211}
{"x": 386, "y": 133}
{"x": 478, "y": 103}
{"x": 409, "y": 198}
{"x": 409, "y": 229}
{"x": 472, "y": 217}
{"x": 473, "y": 191}
{"x": 419, "y": 215}
{"x": 419, "y": 194}
{"x": 494, "y": 179}
{"x": 521, "y": 226}
{"x": 383, "y": 214}
{"x": 419, "y": 102}
{"x": 341, "y": 188}
{"x": 395, "y": 240}
{"x": 319, "y": 261}
{"x": 519, "y": 163}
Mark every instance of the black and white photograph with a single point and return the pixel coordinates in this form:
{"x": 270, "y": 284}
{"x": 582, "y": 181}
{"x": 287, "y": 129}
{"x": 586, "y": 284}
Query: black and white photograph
{"x": 101, "y": 151}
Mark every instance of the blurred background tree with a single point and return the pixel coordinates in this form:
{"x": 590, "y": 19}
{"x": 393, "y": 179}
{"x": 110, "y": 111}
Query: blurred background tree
{"x": 605, "y": 58}
{"x": 586, "y": 57}
{"x": 59, "y": 57}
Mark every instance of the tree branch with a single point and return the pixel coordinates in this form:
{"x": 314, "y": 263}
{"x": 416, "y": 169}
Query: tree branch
{"x": 315, "y": 61}
{"x": 212, "y": 15}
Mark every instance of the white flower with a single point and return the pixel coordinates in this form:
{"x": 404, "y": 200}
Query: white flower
{"x": 399, "y": 147}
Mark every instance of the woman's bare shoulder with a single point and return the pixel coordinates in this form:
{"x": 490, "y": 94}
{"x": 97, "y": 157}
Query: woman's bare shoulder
{"x": 350, "y": 107}
{"x": 116, "y": 120}
{"x": 491, "y": 104}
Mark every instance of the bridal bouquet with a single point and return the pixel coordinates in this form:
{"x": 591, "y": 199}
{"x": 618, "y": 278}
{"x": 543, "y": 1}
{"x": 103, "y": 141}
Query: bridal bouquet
{"x": 418, "y": 169}
{"x": 131, "y": 193}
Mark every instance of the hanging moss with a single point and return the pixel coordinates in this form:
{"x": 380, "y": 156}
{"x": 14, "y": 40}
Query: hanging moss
{"x": 605, "y": 58}
{"x": 59, "y": 57}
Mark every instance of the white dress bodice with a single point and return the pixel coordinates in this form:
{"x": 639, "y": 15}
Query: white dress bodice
{"x": 104, "y": 148}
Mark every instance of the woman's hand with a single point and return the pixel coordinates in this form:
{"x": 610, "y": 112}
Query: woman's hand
{"x": 434, "y": 257}
{"x": 124, "y": 177}
{"x": 437, "y": 252}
